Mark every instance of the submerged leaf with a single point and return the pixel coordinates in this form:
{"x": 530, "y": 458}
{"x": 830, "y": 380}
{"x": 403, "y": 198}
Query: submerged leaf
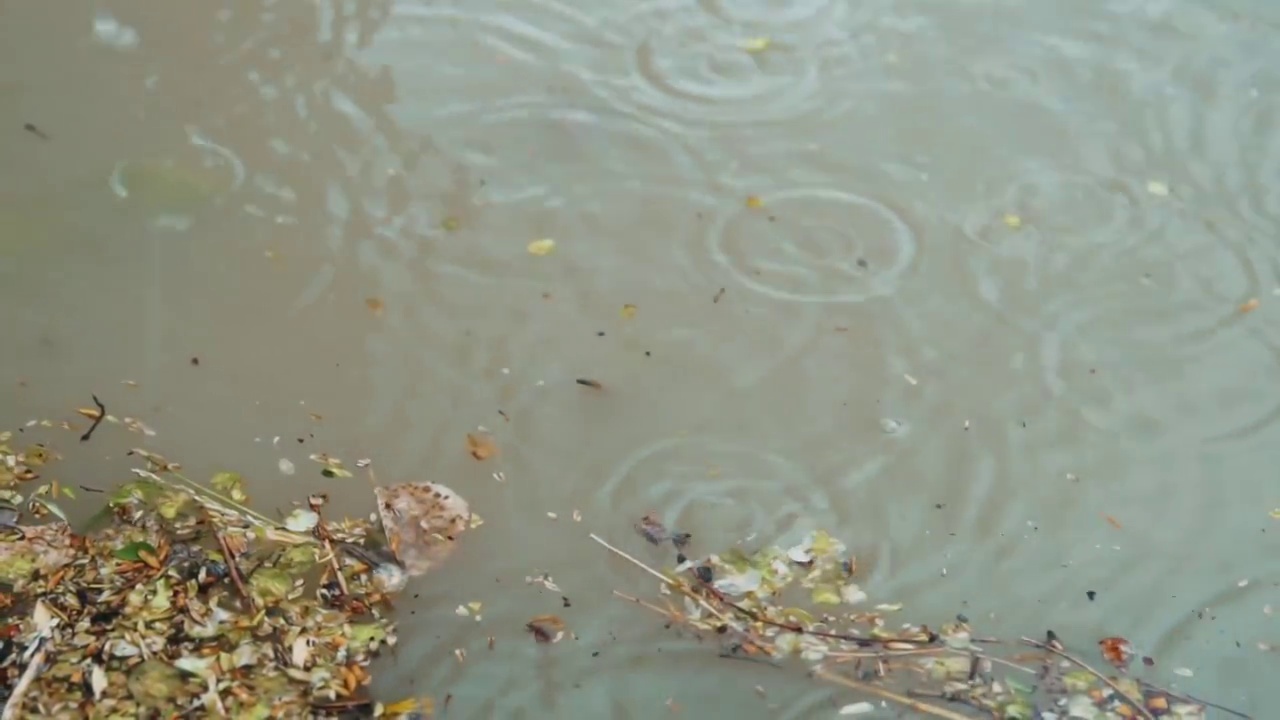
{"x": 542, "y": 247}
{"x": 230, "y": 484}
{"x": 270, "y": 584}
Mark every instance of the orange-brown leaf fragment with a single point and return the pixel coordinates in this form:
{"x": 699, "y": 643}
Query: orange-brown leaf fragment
{"x": 375, "y": 305}
{"x": 1250, "y": 305}
{"x": 546, "y": 628}
{"x": 91, "y": 413}
{"x": 149, "y": 558}
{"x": 1117, "y": 651}
{"x": 754, "y": 202}
{"x": 481, "y": 446}
{"x": 1112, "y": 521}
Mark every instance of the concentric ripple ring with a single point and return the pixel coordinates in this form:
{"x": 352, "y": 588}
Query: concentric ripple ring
{"x": 734, "y": 488}
{"x": 695, "y": 68}
{"x": 816, "y": 245}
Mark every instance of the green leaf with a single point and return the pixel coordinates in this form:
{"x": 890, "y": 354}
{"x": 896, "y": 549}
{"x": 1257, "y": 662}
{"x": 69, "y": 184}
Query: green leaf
{"x": 144, "y": 491}
{"x": 1078, "y": 681}
{"x": 365, "y": 635}
{"x": 826, "y": 595}
{"x": 69, "y": 492}
{"x": 169, "y": 504}
{"x": 271, "y": 584}
{"x": 1018, "y": 686}
{"x": 130, "y": 552}
{"x": 230, "y": 484}
{"x": 52, "y": 507}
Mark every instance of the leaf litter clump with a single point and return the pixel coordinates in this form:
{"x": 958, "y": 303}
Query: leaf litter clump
{"x": 184, "y": 601}
{"x": 803, "y": 604}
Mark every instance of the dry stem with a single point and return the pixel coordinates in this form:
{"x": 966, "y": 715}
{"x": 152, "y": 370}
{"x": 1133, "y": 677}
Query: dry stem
{"x": 19, "y": 693}
{"x": 888, "y": 695}
{"x": 233, "y": 568}
{"x": 1138, "y": 706}
{"x": 680, "y": 587}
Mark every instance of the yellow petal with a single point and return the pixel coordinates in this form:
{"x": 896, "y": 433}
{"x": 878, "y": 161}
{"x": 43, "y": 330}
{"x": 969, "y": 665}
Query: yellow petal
{"x": 542, "y": 247}
{"x": 628, "y": 311}
{"x": 1013, "y": 221}
{"x": 756, "y": 44}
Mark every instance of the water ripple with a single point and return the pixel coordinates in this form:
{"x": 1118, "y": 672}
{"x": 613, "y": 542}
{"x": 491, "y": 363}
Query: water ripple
{"x": 1218, "y": 118}
{"x": 711, "y": 66}
{"x": 816, "y": 245}
{"x": 527, "y": 170}
{"x": 739, "y": 488}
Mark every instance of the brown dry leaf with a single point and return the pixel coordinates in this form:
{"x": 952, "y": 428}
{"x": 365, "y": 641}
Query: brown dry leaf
{"x": 1113, "y": 522}
{"x": 1117, "y": 651}
{"x": 91, "y": 413}
{"x": 1250, "y": 305}
{"x": 375, "y": 305}
{"x": 754, "y": 202}
{"x": 481, "y": 446}
{"x": 422, "y": 522}
{"x": 546, "y": 628}
{"x": 628, "y": 311}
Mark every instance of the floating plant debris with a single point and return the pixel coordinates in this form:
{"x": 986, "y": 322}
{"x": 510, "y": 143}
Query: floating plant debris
{"x": 800, "y": 605}
{"x": 183, "y": 601}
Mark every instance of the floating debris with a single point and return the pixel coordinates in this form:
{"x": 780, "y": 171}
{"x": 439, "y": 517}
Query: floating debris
{"x": 747, "y": 603}
{"x": 481, "y": 445}
{"x": 545, "y": 246}
{"x": 422, "y": 522}
{"x": 184, "y": 601}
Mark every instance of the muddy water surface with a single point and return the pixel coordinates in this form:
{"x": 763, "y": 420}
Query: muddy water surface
{"x": 982, "y": 265}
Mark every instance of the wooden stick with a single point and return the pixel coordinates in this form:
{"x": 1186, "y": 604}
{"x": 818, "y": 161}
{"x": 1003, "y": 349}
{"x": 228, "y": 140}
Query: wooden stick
{"x": 1142, "y": 710}
{"x": 233, "y": 568}
{"x": 16, "y": 698}
{"x": 665, "y": 580}
{"x": 642, "y": 603}
{"x": 880, "y": 692}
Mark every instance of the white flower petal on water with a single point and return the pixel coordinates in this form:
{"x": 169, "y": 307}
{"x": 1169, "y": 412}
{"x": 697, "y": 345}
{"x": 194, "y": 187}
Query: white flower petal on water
{"x": 858, "y": 708}
{"x": 286, "y": 466}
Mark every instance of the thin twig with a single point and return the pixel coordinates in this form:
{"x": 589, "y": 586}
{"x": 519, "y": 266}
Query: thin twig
{"x": 322, "y": 530}
{"x": 862, "y": 640}
{"x": 1006, "y": 663}
{"x": 102, "y": 413}
{"x": 1138, "y": 706}
{"x": 876, "y": 654}
{"x": 233, "y": 568}
{"x": 665, "y": 580}
{"x": 19, "y": 693}
{"x": 1193, "y": 699}
{"x": 888, "y": 695}
{"x": 670, "y": 615}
